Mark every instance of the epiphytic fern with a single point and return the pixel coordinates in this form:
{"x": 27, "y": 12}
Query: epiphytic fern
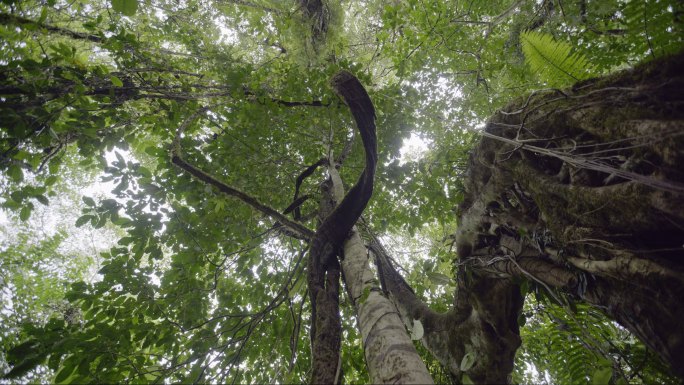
{"x": 554, "y": 61}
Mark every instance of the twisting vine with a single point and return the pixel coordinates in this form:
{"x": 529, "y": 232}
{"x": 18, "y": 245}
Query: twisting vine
{"x": 324, "y": 270}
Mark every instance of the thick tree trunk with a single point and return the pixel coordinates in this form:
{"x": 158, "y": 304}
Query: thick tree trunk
{"x": 477, "y": 325}
{"x": 583, "y": 190}
{"x": 580, "y": 192}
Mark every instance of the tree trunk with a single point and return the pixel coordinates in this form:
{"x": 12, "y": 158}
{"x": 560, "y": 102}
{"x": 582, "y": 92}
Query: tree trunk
{"x": 389, "y": 351}
{"x": 583, "y": 190}
{"x": 580, "y": 192}
{"x": 476, "y": 325}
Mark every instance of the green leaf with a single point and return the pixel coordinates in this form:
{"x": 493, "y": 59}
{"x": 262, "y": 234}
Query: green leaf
{"x": 219, "y": 206}
{"x": 83, "y": 220}
{"x": 116, "y": 81}
{"x": 553, "y": 61}
{"x": 109, "y": 204}
{"x": 439, "y": 278}
{"x": 466, "y": 380}
{"x": 120, "y": 221}
{"x": 43, "y": 15}
{"x": 100, "y": 223}
{"x": 25, "y": 213}
{"x": 15, "y": 173}
{"x": 602, "y": 376}
{"x": 467, "y": 361}
{"x": 88, "y": 201}
{"x": 84, "y": 367}
{"x": 65, "y": 372}
{"x": 153, "y": 150}
{"x": 53, "y": 361}
{"x": 127, "y": 7}
{"x": 42, "y": 199}
{"x": 17, "y": 196}
{"x": 52, "y": 179}
{"x": 144, "y": 171}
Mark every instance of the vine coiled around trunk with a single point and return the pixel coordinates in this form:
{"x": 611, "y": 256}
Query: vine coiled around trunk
{"x": 324, "y": 293}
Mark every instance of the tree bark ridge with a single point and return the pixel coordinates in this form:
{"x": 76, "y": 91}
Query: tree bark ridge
{"x": 581, "y": 190}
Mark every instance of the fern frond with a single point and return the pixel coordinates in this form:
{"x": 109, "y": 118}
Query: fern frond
{"x": 655, "y": 27}
{"x": 554, "y": 61}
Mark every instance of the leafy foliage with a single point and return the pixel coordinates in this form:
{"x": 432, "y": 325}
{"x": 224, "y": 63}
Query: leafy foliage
{"x": 553, "y": 61}
{"x": 198, "y": 287}
{"x": 128, "y": 8}
{"x": 33, "y": 293}
{"x": 578, "y": 344}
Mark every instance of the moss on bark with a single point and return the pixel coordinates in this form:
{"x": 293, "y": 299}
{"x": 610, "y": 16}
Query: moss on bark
{"x": 587, "y": 181}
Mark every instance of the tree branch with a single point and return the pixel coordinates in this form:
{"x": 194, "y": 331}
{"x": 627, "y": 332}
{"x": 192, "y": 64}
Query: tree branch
{"x": 177, "y": 159}
{"x": 446, "y": 335}
{"x": 6, "y": 18}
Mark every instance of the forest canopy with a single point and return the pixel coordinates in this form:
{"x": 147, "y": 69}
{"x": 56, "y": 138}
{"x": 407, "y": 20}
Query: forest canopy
{"x": 171, "y": 173}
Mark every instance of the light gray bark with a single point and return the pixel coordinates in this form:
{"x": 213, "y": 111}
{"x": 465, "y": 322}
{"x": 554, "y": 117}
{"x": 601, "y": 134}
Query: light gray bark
{"x": 389, "y": 351}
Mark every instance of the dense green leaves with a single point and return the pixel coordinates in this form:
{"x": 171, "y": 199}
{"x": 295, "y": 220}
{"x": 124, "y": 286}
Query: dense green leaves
{"x": 192, "y": 285}
{"x": 581, "y": 346}
{"x": 128, "y": 8}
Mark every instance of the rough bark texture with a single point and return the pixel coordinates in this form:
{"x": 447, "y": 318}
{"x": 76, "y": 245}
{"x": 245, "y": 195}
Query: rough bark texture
{"x": 589, "y": 198}
{"x": 483, "y": 322}
{"x": 323, "y": 268}
{"x": 324, "y": 284}
{"x": 580, "y": 191}
{"x": 389, "y": 351}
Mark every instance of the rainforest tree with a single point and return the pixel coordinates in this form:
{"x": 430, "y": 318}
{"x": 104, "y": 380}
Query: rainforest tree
{"x": 259, "y": 192}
